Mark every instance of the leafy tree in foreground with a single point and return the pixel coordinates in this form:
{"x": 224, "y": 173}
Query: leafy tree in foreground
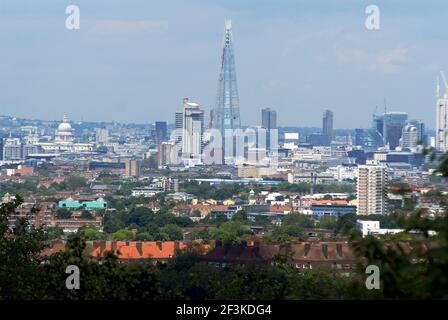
{"x": 416, "y": 267}
{"x": 20, "y": 257}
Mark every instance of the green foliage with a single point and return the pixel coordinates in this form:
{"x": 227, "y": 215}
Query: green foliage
{"x": 71, "y": 183}
{"x": 122, "y": 235}
{"x": 206, "y": 191}
{"x": 230, "y": 232}
{"x": 346, "y": 224}
{"x": 443, "y": 166}
{"x": 323, "y": 285}
{"x": 241, "y": 216}
{"x": 87, "y": 215}
{"x": 170, "y": 232}
{"x": 54, "y": 232}
{"x": 107, "y": 177}
{"x": 200, "y": 234}
{"x": 298, "y": 219}
{"x": 145, "y": 220}
{"x": 262, "y": 221}
{"x": 29, "y": 186}
{"x": 144, "y": 236}
{"x": 413, "y": 265}
{"x": 292, "y": 227}
{"x": 415, "y": 268}
{"x": 91, "y": 233}
{"x": 184, "y": 278}
{"x": 19, "y": 256}
{"x": 287, "y": 232}
{"x": 304, "y": 187}
{"x": 112, "y": 222}
{"x": 327, "y": 222}
{"x": 63, "y": 213}
{"x": 434, "y": 193}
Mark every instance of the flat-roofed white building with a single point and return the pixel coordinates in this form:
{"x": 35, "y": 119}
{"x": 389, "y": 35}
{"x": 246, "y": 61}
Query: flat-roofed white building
{"x": 370, "y": 227}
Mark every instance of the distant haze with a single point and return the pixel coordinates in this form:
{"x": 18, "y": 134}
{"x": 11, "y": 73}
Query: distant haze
{"x": 135, "y": 60}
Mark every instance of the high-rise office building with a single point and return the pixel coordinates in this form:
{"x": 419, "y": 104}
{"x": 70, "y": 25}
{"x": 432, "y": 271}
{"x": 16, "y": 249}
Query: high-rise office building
{"x": 165, "y": 154}
{"x": 192, "y": 129}
{"x": 369, "y": 139}
{"x": 378, "y": 124}
{"x": 1, "y": 148}
{"x": 371, "y": 189}
{"x": 133, "y": 168}
{"x": 101, "y": 135}
{"x": 178, "y": 125}
{"x": 160, "y": 132}
{"x": 409, "y": 137}
{"x": 226, "y": 115}
{"x": 442, "y": 117}
{"x": 393, "y": 124}
{"x": 269, "y": 122}
{"x": 421, "y": 134}
{"x": 327, "y": 125}
{"x": 269, "y": 119}
{"x": 12, "y": 149}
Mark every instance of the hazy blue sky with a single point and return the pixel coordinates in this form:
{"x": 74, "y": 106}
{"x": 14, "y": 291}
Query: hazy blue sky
{"x": 134, "y": 60}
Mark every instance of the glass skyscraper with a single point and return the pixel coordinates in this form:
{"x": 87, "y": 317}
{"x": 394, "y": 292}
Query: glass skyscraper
{"x": 393, "y": 124}
{"x": 268, "y": 119}
{"x": 327, "y": 125}
{"x": 369, "y": 139}
{"x": 160, "y": 131}
{"x": 269, "y": 123}
{"x": 226, "y": 114}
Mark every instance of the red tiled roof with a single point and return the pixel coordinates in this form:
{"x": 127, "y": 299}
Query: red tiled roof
{"x": 151, "y": 205}
{"x": 56, "y": 246}
{"x": 138, "y": 249}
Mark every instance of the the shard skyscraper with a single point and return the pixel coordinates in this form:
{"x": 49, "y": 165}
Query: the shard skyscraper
{"x": 226, "y": 114}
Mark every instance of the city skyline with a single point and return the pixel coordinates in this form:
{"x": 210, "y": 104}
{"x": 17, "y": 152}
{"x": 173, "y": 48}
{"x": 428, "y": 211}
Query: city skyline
{"x": 223, "y": 150}
{"x": 133, "y": 59}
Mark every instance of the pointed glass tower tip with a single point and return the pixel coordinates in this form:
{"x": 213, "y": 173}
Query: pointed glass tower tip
{"x": 226, "y": 114}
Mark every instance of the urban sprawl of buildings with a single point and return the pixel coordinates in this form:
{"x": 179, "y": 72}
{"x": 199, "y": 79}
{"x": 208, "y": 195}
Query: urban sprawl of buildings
{"x": 142, "y": 161}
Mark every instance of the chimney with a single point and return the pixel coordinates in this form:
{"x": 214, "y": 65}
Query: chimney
{"x": 159, "y": 244}
{"x": 114, "y": 246}
{"x": 102, "y": 246}
{"x": 307, "y": 248}
{"x": 325, "y": 250}
{"x": 139, "y": 246}
{"x": 339, "y": 249}
{"x": 227, "y": 247}
{"x": 176, "y": 245}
